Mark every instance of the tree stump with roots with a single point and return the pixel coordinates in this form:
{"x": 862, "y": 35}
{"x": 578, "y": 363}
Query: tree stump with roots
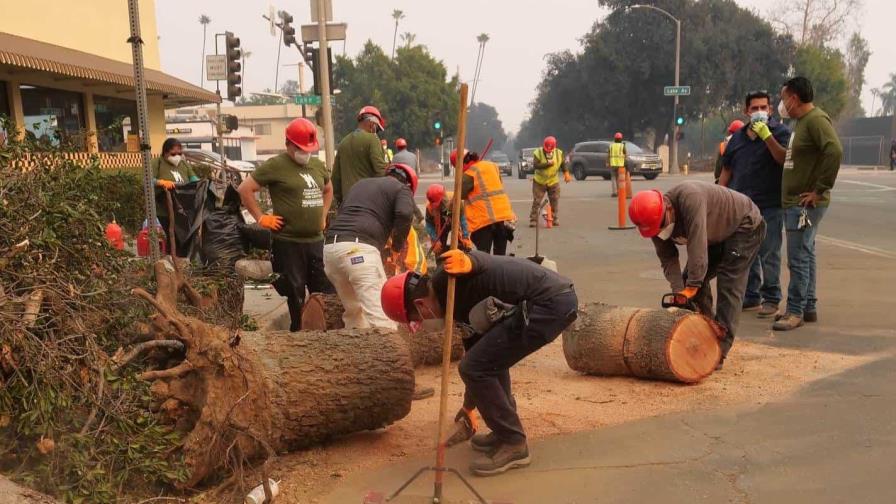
{"x": 249, "y": 396}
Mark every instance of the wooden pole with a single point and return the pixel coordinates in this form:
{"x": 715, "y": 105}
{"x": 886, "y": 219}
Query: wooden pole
{"x": 449, "y": 303}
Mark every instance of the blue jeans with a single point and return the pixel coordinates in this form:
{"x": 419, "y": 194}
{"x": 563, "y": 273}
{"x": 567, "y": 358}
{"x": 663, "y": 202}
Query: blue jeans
{"x": 801, "y": 259}
{"x": 764, "y": 284}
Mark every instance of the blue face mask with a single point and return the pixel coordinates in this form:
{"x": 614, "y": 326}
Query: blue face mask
{"x": 759, "y": 116}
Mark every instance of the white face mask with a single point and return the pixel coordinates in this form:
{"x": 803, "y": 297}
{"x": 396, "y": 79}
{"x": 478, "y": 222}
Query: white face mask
{"x": 302, "y": 157}
{"x": 666, "y": 232}
{"x": 175, "y": 160}
{"x": 782, "y": 110}
{"x": 759, "y": 116}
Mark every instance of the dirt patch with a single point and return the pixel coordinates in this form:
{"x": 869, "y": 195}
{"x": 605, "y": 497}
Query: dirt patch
{"x": 555, "y": 400}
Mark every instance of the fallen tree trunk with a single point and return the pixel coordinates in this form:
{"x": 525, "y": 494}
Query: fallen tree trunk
{"x": 322, "y": 312}
{"x": 13, "y": 493}
{"x": 672, "y": 345}
{"x": 246, "y": 396}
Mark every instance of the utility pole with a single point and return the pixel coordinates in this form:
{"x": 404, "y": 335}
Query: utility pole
{"x": 324, "y": 68}
{"x": 143, "y": 123}
{"x": 302, "y": 85}
{"x": 219, "y": 128}
{"x": 673, "y": 154}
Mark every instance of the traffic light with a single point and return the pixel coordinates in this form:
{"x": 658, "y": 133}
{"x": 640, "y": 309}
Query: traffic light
{"x": 312, "y": 56}
{"x": 230, "y": 121}
{"x": 289, "y": 33}
{"x": 437, "y": 123}
{"x": 438, "y": 140}
{"x": 679, "y": 120}
{"x": 232, "y": 43}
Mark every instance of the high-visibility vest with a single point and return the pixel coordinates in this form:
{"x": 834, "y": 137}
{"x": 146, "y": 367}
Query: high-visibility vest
{"x": 617, "y": 154}
{"x": 548, "y": 176}
{"x": 387, "y": 154}
{"x": 722, "y": 145}
{"x": 415, "y": 260}
{"x": 487, "y": 203}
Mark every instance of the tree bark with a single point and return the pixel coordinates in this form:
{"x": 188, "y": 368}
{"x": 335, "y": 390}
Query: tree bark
{"x": 672, "y": 345}
{"x": 322, "y": 312}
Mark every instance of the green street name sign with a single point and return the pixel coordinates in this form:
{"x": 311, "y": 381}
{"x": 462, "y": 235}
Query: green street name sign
{"x": 677, "y": 90}
{"x": 307, "y": 99}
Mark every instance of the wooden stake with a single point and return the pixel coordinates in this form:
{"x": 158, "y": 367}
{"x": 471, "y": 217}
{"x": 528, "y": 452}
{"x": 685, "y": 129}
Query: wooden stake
{"x": 449, "y": 303}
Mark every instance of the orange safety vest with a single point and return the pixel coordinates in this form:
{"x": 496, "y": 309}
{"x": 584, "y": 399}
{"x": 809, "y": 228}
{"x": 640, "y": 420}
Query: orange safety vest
{"x": 415, "y": 260}
{"x": 487, "y": 203}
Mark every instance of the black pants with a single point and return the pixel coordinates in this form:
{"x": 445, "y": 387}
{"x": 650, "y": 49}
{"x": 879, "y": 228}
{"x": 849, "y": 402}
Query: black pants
{"x": 299, "y": 265}
{"x": 485, "y": 368}
{"x": 491, "y": 239}
{"x": 729, "y": 264}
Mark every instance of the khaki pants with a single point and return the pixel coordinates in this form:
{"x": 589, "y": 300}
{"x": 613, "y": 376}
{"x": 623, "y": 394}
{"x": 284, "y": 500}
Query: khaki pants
{"x": 356, "y": 271}
{"x": 538, "y": 192}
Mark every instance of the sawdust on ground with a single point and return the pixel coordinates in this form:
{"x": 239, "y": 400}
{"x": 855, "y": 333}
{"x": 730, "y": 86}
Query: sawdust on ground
{"x": 552, "y": 400}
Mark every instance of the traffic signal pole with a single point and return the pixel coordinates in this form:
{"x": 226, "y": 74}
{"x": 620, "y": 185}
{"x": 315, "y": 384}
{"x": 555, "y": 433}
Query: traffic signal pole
{"x": 673, "y": 151}
{"x": 324, "y": 67}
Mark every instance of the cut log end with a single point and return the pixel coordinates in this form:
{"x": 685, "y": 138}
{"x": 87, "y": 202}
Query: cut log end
{"x": 693, "y": 349}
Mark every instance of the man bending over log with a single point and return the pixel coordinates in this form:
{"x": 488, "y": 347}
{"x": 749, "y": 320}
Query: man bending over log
{"x": 514, "y": 307}
{"x": 722, "y": 230}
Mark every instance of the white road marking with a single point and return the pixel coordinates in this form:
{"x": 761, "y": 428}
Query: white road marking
{"x": 856, "y": 246}
{"x": 879, "y": 187}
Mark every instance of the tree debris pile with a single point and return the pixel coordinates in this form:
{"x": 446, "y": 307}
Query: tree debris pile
{"x": 71, "y": 424}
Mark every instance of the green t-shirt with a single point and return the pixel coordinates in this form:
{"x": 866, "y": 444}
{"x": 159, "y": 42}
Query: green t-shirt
{"x": 813, "y": 159}
{"x": 163, "y": 170}
{"x": 297, "y": 195}
{"x": 359, "y": 156}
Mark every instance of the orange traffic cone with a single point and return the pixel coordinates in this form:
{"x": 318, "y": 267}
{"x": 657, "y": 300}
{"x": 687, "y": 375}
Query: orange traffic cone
{"x": 549, "y": 216}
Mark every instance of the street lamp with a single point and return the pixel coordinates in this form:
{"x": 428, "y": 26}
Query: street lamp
{"x": 673, "y": 151}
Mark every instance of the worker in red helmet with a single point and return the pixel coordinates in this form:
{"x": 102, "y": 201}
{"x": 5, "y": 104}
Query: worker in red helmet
{"x": 548, "y": 162}
{"x": 735, "y": 126}
{"x": 403, "y": 155}
{"x": 489, "y": 214}
{"x": 722, "y": 230}
{"x": 360, "y": 154}
{"x": 377, "y": 209}
{"x": 301, "y": 193}
{"x": 616, "y": 160}
{"x": 438, "y": 220}
{"x": 514, "y": 307}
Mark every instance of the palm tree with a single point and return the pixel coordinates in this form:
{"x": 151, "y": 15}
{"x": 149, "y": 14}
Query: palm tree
{"x": 408, "y": 38}
{"x": 482, "y": 39}
{"x": 204, "y": 21}
{"x": 397, "y": 15}
{"x": 888, "y": 96}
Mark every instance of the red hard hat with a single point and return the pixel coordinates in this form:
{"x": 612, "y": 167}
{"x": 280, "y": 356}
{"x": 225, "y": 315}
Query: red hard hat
{"x": 303, "y": 134}
{"x": 453, "y": 156}
{"x": 617, "y": 136}
{"x": 392, "y": 297}
{"x": 735, "y": 125}
{"x": 409, "y": 173}
{"x": 401, "y": 143}
{"x": 373, "y": 111}
{"x": 646, "y": 211}
{"x": 550, "y": 143}
{"x": 435, "y": 193}
{"x": 383, "y": 142}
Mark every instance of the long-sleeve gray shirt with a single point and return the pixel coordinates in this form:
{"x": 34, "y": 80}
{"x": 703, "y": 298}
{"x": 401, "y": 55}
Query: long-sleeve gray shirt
{"x": 407, "y": 157}
{"x": 374, "y": 209}
{"x": 705, "y": 214}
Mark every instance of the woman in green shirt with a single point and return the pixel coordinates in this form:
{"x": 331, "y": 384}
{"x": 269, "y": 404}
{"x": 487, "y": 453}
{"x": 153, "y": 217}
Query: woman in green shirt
{"x": 170, "y": 170}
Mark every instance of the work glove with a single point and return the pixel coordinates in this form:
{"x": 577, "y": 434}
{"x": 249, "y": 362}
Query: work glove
{"x": 165, "y": 184}
{"x": 272, "y": 222}
{"x": 761, "y": 130}
{"x": 689, "y": 292}
{"x": 457, "y": 262}
{"x": 567, "y": 177}
{"x": 466, "y": 244}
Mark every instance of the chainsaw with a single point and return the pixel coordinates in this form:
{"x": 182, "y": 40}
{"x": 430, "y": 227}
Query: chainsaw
{"x": 678, "y": 300}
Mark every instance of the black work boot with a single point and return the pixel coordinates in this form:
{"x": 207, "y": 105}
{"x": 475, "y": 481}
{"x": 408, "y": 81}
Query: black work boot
{"x": 507, "y": 456}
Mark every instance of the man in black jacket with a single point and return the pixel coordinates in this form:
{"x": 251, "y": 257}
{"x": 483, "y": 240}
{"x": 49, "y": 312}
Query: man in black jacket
{"x": 515, "y": 307}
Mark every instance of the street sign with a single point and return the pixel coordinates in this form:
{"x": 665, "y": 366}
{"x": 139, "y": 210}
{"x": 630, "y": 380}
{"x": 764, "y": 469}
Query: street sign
{"x": 335, "y": 31}
{"x": 272, "y": 12}
{"x": 307, "y": 99}
{"x": 216, "y": 67}
{"x": 328, "y": 8}
{"x": 677, "y": 90}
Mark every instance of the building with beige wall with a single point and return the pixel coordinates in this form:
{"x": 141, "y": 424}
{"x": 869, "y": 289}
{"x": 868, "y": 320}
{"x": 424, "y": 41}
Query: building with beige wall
{"x": 65, "y": 69}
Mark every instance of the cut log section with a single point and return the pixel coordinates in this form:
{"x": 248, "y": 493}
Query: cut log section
{"x": 426, "y": 346}
{"x": 322, "y": 312}
{"x": 672, "y": 345}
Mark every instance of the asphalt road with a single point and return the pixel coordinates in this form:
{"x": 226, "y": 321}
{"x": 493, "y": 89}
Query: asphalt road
{"x": 833, "y": 441}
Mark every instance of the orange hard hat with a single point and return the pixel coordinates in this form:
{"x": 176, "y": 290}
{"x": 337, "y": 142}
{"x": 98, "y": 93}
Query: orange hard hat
{"x": 401, "y": 143}
{"x": 646, "y": 211}
{"x": 393, "y": 295}
{"x": 370, "y": 111}
{"x": 617, "y": 136}
{"x": 410, "y": 175}
{"x": 435, "y": 193}
{"x": 735, "y": 125}
{"x": 303, "y": 134}
{"x": 550, "y": 143}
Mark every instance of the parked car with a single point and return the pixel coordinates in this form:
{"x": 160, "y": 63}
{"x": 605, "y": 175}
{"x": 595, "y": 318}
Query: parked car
{"x": 590, "y": 159}
{"x": 526, "y": 164}
{"x": 209, "y": 161}
{"x": 503, "y": 162}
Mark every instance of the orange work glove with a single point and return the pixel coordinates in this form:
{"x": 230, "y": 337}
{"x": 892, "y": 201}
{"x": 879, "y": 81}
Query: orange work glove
{"x": 457, "y": 262}
{"x": 567, "y": 177}
{"x": 165, "y": 184}
{"x": 689, "y": 292}
{"x": 272, "y": 222}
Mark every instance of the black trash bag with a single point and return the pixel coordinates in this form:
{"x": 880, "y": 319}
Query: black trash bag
{"x": 186, "y": 200}
{"x": 257, "y": 237}
{"x": 222, "y": 242}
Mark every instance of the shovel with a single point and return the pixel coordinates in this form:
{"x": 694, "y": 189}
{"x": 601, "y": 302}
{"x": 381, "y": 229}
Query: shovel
{"x": 538, "y": 258}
